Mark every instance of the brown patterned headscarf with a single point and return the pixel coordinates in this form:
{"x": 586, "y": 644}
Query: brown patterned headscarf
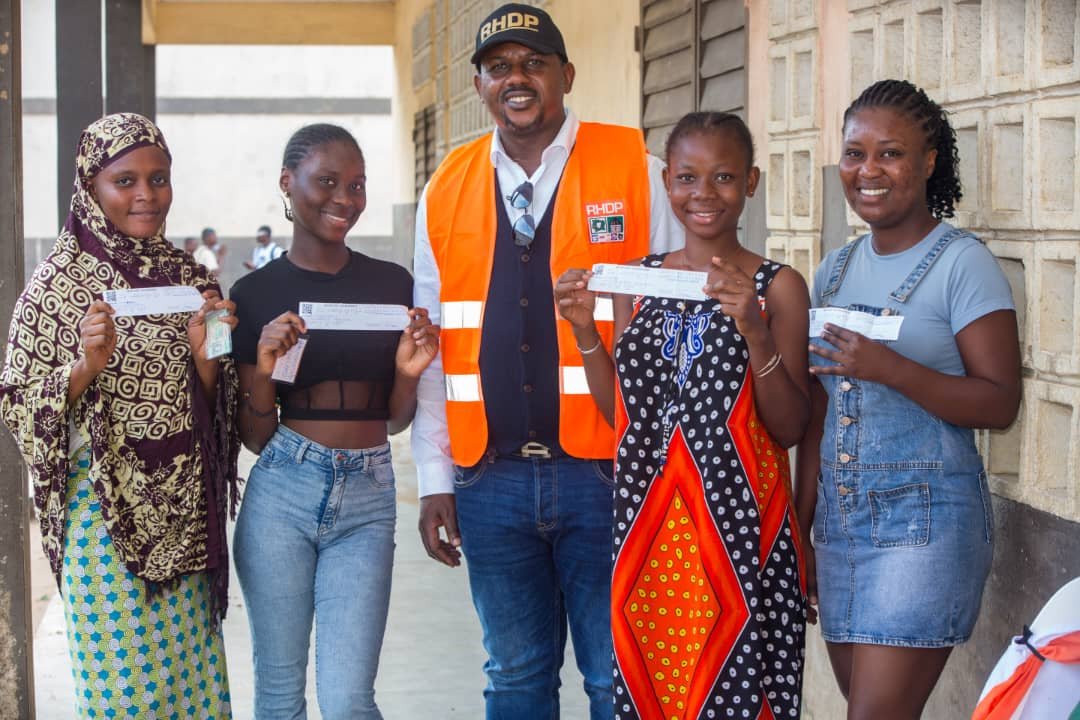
{"x": 162, "y": 459}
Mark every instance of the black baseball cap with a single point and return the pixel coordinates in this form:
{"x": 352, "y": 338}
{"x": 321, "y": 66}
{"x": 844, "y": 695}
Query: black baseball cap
{"x": 522, "y": 24}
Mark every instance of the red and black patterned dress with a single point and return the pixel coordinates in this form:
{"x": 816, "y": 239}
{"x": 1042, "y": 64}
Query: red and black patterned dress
{"x": 707, "y": 603}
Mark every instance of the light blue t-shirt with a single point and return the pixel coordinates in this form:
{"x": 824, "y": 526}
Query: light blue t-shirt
{"x": 964, "y": 284}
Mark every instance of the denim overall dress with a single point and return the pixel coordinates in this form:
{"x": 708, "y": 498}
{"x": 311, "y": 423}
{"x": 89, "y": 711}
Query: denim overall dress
{"x": 903, "y": 525}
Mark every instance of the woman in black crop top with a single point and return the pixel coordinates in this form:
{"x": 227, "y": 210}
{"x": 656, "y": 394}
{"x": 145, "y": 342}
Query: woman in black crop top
{"x": 315, "y": 536}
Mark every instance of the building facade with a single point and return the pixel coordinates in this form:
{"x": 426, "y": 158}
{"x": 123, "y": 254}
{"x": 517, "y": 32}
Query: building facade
{"x": 397, "y": 74}
{"x": 1008, "y": 71}
{"x": 226, "y": 112}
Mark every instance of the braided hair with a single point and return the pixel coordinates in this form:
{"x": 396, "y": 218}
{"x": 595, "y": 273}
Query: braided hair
{"x": 708, "y": 122}
{"x": 310, "y": 137}
{"x": 943, "y": 185}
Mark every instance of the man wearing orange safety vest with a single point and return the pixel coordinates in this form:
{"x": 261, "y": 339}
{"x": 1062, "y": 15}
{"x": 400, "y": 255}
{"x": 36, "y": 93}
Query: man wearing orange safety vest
{"x": 509, "y": 445}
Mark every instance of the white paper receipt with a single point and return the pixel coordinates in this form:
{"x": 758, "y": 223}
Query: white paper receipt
{"x": 354, "y": 316}
{"x": 288, "y": 365}
{"x": 875, "y": 327}
{"x": 154, "y": 300}
{"x": 655, "y": 282}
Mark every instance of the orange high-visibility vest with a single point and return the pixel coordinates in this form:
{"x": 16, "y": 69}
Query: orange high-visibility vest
{"x": 601, "y": 214}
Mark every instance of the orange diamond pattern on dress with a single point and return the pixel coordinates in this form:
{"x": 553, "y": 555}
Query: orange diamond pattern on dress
{"x": 756, "y": 449}
{"x": 719, "y": 592}
{"x": 770, "y": 462}
{"x": 672, "y": 608}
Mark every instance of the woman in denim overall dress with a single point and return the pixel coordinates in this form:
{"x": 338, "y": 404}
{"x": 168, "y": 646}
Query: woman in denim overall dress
{"x": 889, "y": 478}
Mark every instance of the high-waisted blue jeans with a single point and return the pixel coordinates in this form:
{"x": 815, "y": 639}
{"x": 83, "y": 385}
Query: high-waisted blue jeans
{"x": 315, "y": 538}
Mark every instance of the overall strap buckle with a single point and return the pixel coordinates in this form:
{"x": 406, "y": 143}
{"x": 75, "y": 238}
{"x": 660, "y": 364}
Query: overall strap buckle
{"x": 836, "y": 278}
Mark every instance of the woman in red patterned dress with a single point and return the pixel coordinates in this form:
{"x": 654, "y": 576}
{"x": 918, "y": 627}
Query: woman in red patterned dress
{"x": 708, "y": 606}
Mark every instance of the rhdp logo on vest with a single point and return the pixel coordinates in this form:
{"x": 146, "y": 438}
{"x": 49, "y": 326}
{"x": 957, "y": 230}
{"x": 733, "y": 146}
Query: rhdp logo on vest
{"x": 509, "y": 21}
{"x": 606, "y": 222}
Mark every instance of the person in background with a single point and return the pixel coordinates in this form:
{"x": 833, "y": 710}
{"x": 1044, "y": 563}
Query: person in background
{"x": 190, "y": 245}
{"x": 265, "y": 249}
{"x": 508, "y": 441}
{"x": 315, "y": 536}
{"x": 130, "y": 436}
{"x": 709, "y": 394}
{"x": 207, "y": 254}
{"x": 891, "y": 487}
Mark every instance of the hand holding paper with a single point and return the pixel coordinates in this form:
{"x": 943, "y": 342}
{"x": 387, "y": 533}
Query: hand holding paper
{"x": 854, "y": 354}
{"x": 574, "y": 300}
{"x": 97, "y": 336}
{"x": 655, "y": 282}
{"x": 210, "y": 330}
{"x": 154, "y": 300}
{"x": 286, "y": 347}
{"x": 737, "y": 294}
{"x": 354, "y": 316}
{"x": 286, "y": 366}
{"x": 218, "y": 334}
{"x": 277, "y": 338}
{"x": 418, "y": 345}
{"x": 875, "y": 327}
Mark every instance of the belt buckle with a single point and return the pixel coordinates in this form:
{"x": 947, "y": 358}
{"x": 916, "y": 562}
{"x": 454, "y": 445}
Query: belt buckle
{"x": 533, "y": 449}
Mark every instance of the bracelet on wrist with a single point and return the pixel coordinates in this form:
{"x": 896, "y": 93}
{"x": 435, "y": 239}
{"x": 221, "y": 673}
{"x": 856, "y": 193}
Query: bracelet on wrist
{"x": 591, "y": 350}
{"x": 772, "y": 364}
{"x": 258, "y": 413}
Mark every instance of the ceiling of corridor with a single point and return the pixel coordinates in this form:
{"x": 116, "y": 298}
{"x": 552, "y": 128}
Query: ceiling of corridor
{"x": 268, "y": 22}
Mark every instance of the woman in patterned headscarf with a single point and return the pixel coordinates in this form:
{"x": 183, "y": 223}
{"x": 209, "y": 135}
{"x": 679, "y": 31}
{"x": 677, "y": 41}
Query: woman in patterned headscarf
{"x": 128, "y": 431}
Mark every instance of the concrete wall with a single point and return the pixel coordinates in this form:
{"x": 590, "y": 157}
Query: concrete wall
{"x": 435, "y": 40}
{"x": 1007, "y": 71}
{"x": 599, "y": 41}
{"x": 226, "y": 112}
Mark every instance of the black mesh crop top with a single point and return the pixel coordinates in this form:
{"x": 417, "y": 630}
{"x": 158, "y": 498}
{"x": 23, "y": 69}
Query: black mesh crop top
{"x": 343, "y": 375}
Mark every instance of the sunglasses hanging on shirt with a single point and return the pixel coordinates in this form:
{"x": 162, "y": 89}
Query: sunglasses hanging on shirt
{"x": 524, "y": 226}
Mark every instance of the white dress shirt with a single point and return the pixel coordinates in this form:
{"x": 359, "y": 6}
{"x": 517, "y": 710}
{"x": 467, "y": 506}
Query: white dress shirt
{"x": 206, "y": 256}
{"x": 430, "y": 436}
{"x": 263, "y": 254}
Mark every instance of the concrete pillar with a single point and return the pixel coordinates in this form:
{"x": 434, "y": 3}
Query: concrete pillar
{"x": 16, "y": 626}
{"x": 78, "y": 87}
{"x": 129, "y": 65}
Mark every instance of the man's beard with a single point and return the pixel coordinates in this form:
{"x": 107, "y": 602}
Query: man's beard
{"x": 516, "y": 129}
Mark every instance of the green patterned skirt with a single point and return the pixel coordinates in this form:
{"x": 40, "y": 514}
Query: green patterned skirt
{"x": 133, "y": 655}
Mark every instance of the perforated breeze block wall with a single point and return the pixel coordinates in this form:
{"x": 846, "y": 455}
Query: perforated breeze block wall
{"x": 793, "y": 151}
{"x": 1007, "y": 71}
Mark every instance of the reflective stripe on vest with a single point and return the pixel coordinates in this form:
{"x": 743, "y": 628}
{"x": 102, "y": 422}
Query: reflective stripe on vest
{"x": 572, "y": 380}
{"x": 605, "y": 310}
{"x": 599, "y": 216}
{"x": 463, "y": 388}
{"x": 462, "y": 314}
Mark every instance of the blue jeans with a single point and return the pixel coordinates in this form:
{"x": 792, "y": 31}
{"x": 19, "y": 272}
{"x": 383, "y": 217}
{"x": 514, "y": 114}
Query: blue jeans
{"x": 315, "y": 537}
{"x": 537, "y": 541}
